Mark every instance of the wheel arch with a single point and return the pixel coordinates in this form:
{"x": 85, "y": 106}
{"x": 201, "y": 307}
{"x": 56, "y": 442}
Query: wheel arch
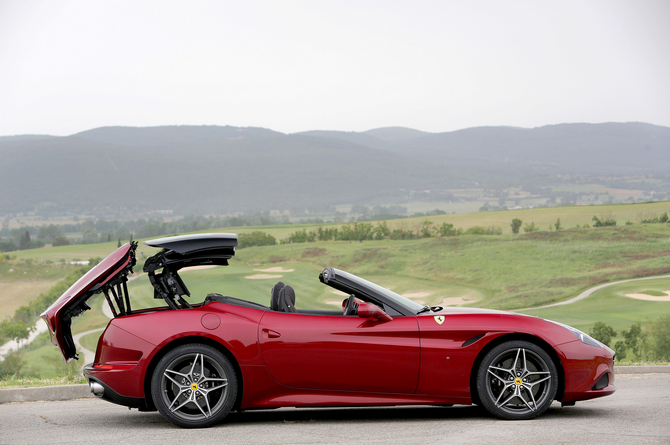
{"x": 189, "y": 340}
{"x": 512, "y": 337}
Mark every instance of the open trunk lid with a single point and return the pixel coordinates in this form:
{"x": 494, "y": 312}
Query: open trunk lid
{"x": 104, "y": 277}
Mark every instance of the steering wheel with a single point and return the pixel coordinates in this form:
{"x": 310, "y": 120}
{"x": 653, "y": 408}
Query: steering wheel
{"x": 351, "y": 308}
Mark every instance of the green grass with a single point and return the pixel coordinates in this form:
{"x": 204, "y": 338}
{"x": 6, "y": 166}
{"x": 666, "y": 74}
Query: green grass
{"x": 611, "y": 306}
{"x": 505, "y": 272}
{"x": 29, "y": 382}
{"x": 654, "y": 293}
{"x": 90, "y": 341}
{"x": 45, "y": 361}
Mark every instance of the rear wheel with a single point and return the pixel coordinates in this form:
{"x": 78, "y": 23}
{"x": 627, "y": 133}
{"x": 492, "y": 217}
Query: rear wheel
{"x": 194, "y": 386}
{"x": 517, "y": 380}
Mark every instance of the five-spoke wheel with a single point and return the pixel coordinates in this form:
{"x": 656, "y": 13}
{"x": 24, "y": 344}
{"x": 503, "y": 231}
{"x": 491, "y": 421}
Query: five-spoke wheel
{"x": 194, "y": 386}
{"x": 517, "y": 380}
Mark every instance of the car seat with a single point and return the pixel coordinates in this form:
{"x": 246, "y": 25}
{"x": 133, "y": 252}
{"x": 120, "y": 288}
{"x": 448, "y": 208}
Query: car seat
{"x": 274, "y": 295}
{"x": 287, "y": 299}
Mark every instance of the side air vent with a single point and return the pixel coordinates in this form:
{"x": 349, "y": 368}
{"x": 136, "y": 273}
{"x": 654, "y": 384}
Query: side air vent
{"x": 472, "y": 340}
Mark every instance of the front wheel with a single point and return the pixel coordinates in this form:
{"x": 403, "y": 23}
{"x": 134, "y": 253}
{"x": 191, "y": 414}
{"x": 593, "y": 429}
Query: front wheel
{"x": 517, "y": 380}
{"x": 194, "y": 386}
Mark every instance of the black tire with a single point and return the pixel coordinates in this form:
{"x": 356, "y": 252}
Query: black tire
{"x": 194, "y": 386}
{"x": 517, "y": 380}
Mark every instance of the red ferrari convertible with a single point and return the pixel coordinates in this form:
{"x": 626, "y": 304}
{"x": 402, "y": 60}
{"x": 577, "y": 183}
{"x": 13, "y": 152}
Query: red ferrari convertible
{"x": 196, "y": 362}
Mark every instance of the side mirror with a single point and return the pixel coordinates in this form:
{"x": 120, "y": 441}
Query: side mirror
{"x": 369, "y": 310}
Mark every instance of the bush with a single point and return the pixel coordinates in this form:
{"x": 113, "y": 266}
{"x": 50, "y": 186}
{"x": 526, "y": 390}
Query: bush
{"x": 8, "y": 246}
{"x": 602, "y": 332}
{"x": 12, "y": 365}
{"x": 635, "y": 340}
{"x": 647, "y": 219}
{"x": 60, "y": 241}
{"x": 530, "y": 227}
{"x": 516, "y": 225}
{"x": 480, "y": 230}
{"x": 604, "y": 220}
{"x": 621, "y": 350}
{"x": 255, "y": 238}
{"x": 447, "y": 229}
{"x": 659, "y": 331}
{"x": 14, "y": 329}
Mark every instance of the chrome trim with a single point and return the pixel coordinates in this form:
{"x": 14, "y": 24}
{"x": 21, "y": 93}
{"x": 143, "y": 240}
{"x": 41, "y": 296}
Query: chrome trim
{"x": 97, "y": 389}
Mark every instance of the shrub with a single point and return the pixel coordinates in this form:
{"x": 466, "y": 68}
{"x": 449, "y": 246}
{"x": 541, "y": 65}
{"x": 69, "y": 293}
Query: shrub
{"x": 530, "y": 227}
{"x": 635, "y": 340}
{"x": 516, "y": 225}
{"x": 62, "y": 241}
{"x": 255, "y": 238}
{"x": 602, "y": 332}
{"x": 653, "y": 218}
{"x": 447, "y": 229}
{"x": 480, "y": 230}
{"x": 12, "y": 364}
{"x": 659, "y": 331}
{"x": 604, "y": 220}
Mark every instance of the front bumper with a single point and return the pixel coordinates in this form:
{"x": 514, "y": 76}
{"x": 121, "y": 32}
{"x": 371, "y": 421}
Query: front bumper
{"x": 589, "y": 371}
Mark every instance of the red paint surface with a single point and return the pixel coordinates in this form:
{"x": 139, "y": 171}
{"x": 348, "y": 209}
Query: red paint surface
{"x": 316, "y": 360}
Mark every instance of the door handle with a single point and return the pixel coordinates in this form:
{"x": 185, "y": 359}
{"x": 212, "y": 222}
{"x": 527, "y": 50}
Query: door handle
{"x": 269, "y": 333}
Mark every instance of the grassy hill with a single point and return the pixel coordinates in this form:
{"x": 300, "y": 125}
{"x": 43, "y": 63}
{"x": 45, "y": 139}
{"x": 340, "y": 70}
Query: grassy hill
{"x": 211, "y": 169}
{"x": 505, "y": 271}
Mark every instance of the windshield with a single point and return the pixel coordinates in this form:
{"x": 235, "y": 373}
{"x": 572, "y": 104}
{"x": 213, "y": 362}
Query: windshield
{"x": 405, "y": 302}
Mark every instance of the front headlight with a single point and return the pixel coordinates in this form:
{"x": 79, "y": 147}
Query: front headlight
{"x": 584, "y": 338}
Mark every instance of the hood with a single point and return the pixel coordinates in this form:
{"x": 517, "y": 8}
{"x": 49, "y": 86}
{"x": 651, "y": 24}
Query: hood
{"x": 476, "y": 310}
{"x": 110, "y": 272}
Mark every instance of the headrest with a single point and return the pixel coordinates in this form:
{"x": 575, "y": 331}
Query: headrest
{"x": 274, "y": 296}
{"x": 287, "y": 299}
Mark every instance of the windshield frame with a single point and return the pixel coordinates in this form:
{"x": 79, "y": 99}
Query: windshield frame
{"x": 360, "y": 287}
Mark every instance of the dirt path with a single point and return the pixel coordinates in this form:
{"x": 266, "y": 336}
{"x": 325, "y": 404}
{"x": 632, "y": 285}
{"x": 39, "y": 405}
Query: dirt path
{"x": 89, "y": 355}
{"x": 588, "y": 292}
{"x": 40, "y": 326}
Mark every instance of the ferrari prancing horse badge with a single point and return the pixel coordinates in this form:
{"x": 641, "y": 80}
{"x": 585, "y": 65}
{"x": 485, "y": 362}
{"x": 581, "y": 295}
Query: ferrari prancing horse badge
{"x": 439, "y": 319}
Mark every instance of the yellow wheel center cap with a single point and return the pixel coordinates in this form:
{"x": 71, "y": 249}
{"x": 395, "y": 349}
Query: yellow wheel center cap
{"x": 517, "y": 381}
{"x": 194, "y": 387}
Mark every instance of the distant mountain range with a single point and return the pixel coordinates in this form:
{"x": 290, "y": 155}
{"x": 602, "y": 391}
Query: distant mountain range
{"x": 221, "y": 169}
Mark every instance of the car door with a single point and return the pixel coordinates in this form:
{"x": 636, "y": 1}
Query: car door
{"x": 344, "y": 353}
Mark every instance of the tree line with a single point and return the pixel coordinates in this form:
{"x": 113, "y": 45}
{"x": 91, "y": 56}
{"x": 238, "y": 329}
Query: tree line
{"x": 99, "y": 231}
{"x": 648, "y": 342}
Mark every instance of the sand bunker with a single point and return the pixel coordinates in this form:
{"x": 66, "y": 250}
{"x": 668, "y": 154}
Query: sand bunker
{"x": 339, "y": 292}
{"x": 417, "y": 297}
{"x": 650, "y": 297}
{"x": 197, "y": 268}
{"x": 274, "y": 269}
{"x": 262, "y": 276}
{"x": 414, "y": 295}
{"x": 337, "y": 303}
{"x": 455, "y": 301}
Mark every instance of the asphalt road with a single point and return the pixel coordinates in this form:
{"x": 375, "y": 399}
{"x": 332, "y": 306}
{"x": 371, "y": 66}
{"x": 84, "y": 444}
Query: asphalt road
{"x": 636, "y": 413}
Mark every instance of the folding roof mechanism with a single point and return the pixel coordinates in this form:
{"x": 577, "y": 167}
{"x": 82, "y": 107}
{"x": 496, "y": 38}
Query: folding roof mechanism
{"x": 185, "y": 251}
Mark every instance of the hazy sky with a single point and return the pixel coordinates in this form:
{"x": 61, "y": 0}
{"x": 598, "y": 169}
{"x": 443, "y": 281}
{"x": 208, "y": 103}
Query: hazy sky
{"x": 68, "y": 66}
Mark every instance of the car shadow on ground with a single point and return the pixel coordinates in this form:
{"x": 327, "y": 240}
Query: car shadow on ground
{"x": 357, "y": 415}
{"x": 390, "y": 414}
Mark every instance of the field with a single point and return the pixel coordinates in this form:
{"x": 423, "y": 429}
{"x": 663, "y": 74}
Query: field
{"x": 611, "y": 306}
{"x": 508, "y": 271}
{"x": 13, "y": 294}
{"x": 570, "y": 217}
{"x": 23, "y": 281}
